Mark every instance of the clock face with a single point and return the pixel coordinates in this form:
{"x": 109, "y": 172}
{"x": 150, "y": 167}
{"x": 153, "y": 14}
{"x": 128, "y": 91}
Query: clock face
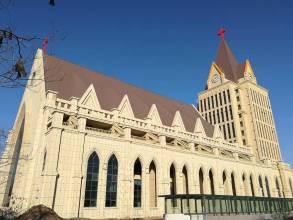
{"x": 215, "y": 78}
{"x": 248, "y": 75}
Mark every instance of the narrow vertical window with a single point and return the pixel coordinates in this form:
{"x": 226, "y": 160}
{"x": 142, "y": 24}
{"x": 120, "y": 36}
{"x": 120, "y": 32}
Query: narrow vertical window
{"x": 227, "y": 113}
{"x": 211, "y": 176}
{"x": 173, "y": 184}
{"x": 251, "y": 186}
{"x": 111, "y": 188}
{"x": 233, "y": 129}
{"x": 92, "y": 176}
{"x": 224, "y": 131}
{"x": 209, "y": 103}
{"x": 228, "y": 94}
{"x": 216, "y": 100}
{"x": 137, "y": 184}
{"x": 222, "y": 114}
{"x": 201, "y": 188}
{"x": 261, "y": 186}
{"x": 233, "y": 184}
{"x": 229, "y": 131}
{"x": 278, "y": 188}
{"x": 224, "y": 96}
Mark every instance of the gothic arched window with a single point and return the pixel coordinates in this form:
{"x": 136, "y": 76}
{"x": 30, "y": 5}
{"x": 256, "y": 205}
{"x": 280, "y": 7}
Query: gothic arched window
{"x": 137, "y": 181}
{"x": 211, "y": 176}
{"x": 261, "y": 186}
{"x": 251, "y": 185}
{"x": 201, "y": 181}
{"x": 278, "y": 188}
{"x": 112, "y": 176}
{"x": 233, "y": 184}
{"x": 92, "y": 179}
{"x": 268, "y": 187}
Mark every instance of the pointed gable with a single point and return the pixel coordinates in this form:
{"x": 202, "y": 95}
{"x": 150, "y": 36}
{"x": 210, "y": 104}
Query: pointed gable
{"x": 90, "y": 99}
{"x": 217, "y": 133}
{"x": 198, "y": 128}
{"x": 154, "y": 115}
{"x": 125, "y": 108}
{"x": 178, "y": 122}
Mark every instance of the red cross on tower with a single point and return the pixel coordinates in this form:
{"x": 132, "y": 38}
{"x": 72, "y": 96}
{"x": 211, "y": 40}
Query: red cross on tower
{"x": 221, "y": 33}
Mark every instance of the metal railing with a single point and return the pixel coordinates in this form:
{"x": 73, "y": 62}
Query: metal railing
{"x": 225, "y": 205}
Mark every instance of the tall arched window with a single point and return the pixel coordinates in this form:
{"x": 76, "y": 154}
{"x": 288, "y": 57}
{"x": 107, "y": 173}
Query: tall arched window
{"x": 233, "y": 184}
{"x": 261, "y": 186}
{"x": 112, "y": 176}
{"x": 251, "y": 185}
{"x": 268, "y": 187}
{"x": 92, "y": 179}
{"x": 211, "y": 176}
{"x": 185, "y": 180}
{"x": 172, "y": 180}
{"x": 173, "y": 184}
{"x": 153, "y": 185}
{"x": 137, "y": 181}
{"x": 200, "y": 175}
{"x": 278, "y": 187}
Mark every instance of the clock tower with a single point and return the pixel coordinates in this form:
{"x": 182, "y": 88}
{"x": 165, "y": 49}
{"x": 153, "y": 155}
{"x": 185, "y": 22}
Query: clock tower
{"x": 234, "y": 101}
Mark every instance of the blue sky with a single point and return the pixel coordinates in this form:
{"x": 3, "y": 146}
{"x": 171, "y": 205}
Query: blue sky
{"x": 165, "y": 46}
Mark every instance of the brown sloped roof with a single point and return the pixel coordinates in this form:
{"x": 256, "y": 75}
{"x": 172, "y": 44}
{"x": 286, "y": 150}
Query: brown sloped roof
{"x": 72, "y": 80}
{"x": 227, "y": 62}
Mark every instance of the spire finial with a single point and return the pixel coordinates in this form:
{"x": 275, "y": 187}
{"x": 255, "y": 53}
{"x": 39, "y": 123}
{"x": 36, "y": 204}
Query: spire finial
{"x": 45, "y": 43}
{"x": 221, "y": 33}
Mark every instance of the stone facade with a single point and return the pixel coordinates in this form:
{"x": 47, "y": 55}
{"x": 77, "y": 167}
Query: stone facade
{"x": 54, "y": 140}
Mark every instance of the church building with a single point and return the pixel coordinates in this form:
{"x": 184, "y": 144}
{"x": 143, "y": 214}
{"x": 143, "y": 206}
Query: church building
{"x": 91, "y": 146}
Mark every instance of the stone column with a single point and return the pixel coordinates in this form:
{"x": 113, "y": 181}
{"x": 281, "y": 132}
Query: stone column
{"x": 127, "y": 133}
{"x": 207, "y": 184}
{"x": 229, "y": 185}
